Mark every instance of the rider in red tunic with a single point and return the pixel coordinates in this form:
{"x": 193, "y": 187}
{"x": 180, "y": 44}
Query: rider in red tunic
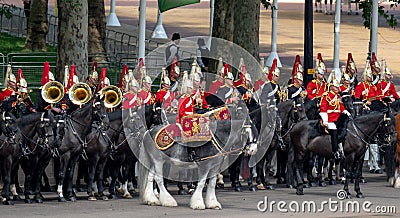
{"x": 216, "y": 84}
{"x": 131, "y": 99}
{"x": 385, "y": 86}
{"x": 365, "y": 90}
{"x": 185, "y": 102}
{"x": 11, "y": 85}
{"x": 317, "y": 86}
{"x": 145, "y": 93}
{"x": 330, "y": 109}
{"x": 198, "y": 93}
{"x": 259, "y": 84}
{"x": 165, "y": 95}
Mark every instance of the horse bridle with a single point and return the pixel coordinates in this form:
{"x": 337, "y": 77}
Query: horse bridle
{"x": 8, "y": 132}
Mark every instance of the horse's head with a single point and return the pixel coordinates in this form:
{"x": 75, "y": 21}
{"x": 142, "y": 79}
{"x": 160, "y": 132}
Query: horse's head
{"x": 387, "y": 128}
{"x": 9, "y": 127}
{"x": 100, "y": 113}
{"x": 156, "y": 114}
{"x": 347, "y": 100}
{"x": 57, "y": 124}
{"x": 298, "y": 110}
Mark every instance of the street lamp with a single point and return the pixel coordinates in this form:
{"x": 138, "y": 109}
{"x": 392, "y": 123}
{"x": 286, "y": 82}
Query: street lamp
{"x": 112, "y": 19}
{"x": 159, "y": 32}
{"x": 273, "y": 53}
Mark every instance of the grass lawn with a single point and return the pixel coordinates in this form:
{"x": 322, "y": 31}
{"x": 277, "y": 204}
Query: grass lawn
{"x": 10, "y": 44}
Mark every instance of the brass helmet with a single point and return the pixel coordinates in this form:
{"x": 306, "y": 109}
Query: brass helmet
{"x": 80, "y": 93}
{"x": 52, "y": 92}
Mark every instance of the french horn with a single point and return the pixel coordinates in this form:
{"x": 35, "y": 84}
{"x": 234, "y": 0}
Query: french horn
{"x": 52, "y": 92}
{"x": 112, "y": 96}
{"x": 80, "y": 93}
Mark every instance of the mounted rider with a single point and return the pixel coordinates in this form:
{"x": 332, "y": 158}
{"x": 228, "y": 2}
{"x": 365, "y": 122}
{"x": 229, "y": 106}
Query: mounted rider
{"x": 330, "y": 109}
{"x": 24, "y": 102}
{"x": 259, "y": 84}
{"x": 130, "y": 98}
{"x": 295, "y": 89}
{"x": 93, "y": 78}
{"x": 165, "y": 95}
{"x": 385, "y": 86}
{"x": 186, "y": 101}
{"x": 71, "y": 78}
{"x": 317, "y": 86}
{"x": 10, "y": 90}
{"x": 375, "y": 69}
{"x": 366, "y": 91}
{"x": 272, "y": 78}
{"x": 219, "y": 81}
{"x": 345, "y": 86}
{"x": 228, "y": 93}
{"x": 145, "y": 94}
{"x": 351, "y": 70}
{"x": 198, "y": 95}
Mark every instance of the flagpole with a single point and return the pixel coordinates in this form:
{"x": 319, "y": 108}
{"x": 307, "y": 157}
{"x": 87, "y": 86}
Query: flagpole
{"x": 212, "y": 2}
{"x": 142, "y": 30}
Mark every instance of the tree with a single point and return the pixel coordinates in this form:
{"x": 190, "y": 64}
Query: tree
{"x": 97, "y": 30}
{"x": 366, "y": 7}
{"x": 237, "y": 21}
{"x": 72, "y": 37}
{"x": 38, "y": 26}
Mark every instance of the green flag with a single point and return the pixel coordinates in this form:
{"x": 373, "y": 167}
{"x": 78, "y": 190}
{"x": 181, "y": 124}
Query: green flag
{"x": 165, "y": 5}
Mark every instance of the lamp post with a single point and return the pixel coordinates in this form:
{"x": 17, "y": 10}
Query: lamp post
{"x": 159, "y": 31}
{"x": 142, "y": 30}
{"x": 273, "y": 53}
{"x": 336, "y": 67}
{"x": 112, "y": 19}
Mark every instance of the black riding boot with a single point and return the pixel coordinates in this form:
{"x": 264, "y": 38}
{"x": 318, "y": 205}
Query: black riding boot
{"x": 334, "y": 142}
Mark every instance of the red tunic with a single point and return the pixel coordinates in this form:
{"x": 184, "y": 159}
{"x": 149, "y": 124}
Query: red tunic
{"x": 146, "y": 97}
{"x": 186, "y": 107}
{"x": 131, "y": 100}
{"x": 214, "y": 86}
{"x": 386, "y": 89}
{"x": 258, "y": 84}
{"x": 165, "y": 96}
{"x": 316, "y": 88}
{"x": 344, "y": 88}
{"x": 332, "y": 105}
{"x": 367, "y": 91}
{"x": 6, "y": 93}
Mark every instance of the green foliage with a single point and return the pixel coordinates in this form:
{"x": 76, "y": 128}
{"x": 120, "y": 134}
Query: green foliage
{"x": 9, "y": 44}
{"x": 366, "y": 7}
{"x": 7, "y": 10}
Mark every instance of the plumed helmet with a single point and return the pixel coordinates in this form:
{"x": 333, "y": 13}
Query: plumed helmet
{"x": 367, "y": 70}
{"x": 220, "y": 67}
{"x": 375, "y": 66}
{"x": 164, "y": 78}
{"x": 21, "y": 82}
{"x": 332, "y": 80}
{"x": 297, "y": 71}
{"x": 320, "y": 70}
{"x": 248, "y": 77}
{"x": 227, "y": 72}
{"x": 186, "y": 83}
{"x": 274, "y": 70}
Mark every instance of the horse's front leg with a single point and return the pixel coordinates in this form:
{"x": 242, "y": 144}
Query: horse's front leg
{"x": 357, "y": 177}
{"x": 196, "y": 201}
{"x": 165, "y": 197}
{"x": 299, "y": 178}
{"x": 40, "y": 170}
{"x": 211, "y": 201}
{"x": 71, "y": 169}
{"x": 61, "y": 175}
{"x": 92, "y": 162}
{"x": 29, "y": 170}
{"x": 99, "y": 179}
{"x": 7, "y": 164}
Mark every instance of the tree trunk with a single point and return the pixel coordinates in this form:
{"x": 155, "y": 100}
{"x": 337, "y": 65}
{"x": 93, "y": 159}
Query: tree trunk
{"x": 222, "y": 28}
{"x": 38, "y": 26}
{"x": 72, "y": 37}
{"x": 247, "y": 24}
{"x": 97, "y": 31}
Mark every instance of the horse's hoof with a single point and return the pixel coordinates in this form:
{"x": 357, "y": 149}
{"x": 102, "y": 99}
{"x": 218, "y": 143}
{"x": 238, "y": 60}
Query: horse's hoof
{"x": 261, "y": 187}
{"x": 270, "y": 187}
{"x": 378, "y": 171}
{"x": 28, "y": 201}
{"x": 8, "y": 202}
{"x": 322, "y": 184}
{"x": 113, "y": 197}
{"x": 39, "y": 201}
{"x": 313, "y": 184}
{"x": 92, "y": 198}
{"x": 191, "y": 191}
{"x": 80, "y": 189}
{"x": 61, "y": 199}
{"x": 16, "y": 198}
{"x": 289, "y": 186}
{"x": 359, "y": 195}
{"x": 252, "y": 188}
{"x": 181, "y": 192}
{"x": 306, "y": 185}
{"x": 363, "y": 180}
{"x": 332, "y": 182}
{"x": 298, "y": 192}
{"x": 238, "y": 189}
{"x": 105, "y": 198}
{"x": 127, "y": 196}
{"x": 220, "y": 185}
{"x": 72, "y": 199}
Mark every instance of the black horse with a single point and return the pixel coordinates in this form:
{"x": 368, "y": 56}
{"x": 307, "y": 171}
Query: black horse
{"x": 10, "y": 151}
{"x": 74, "y": 144}
{"x": 361, "y": 131}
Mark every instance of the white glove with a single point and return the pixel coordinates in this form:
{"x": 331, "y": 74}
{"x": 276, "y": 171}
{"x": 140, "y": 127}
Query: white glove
{"x": 324, "y": 117}
{"x": 347, "y": 113}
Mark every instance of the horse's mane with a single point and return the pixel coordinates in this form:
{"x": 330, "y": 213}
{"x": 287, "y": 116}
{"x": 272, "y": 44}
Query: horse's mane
{"x": 29, "y": 118}
{"x": 115, "y": 115}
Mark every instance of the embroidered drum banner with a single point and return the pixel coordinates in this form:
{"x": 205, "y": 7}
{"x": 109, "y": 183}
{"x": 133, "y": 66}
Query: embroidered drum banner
{"x": 196, "y": 127}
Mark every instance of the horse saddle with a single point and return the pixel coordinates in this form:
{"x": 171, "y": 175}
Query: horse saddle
{"x": 317, "y": 129}
{"x": 193, "y": 128}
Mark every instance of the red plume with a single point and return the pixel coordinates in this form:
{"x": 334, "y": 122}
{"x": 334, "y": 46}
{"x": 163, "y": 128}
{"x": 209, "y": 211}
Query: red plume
{"x": 140, "y": 65}
{"x": 295, "y": 66}
{"x": 124, "y": 71}
{"x": 20, "y": 75}
{"x": 271, "y": 70}
{"x": 45, "y": 74}
{"x": 72, "y": 72}
{"x": 94, "y": 67}
{"x": 226, "y": 69}
{"x": 102, "y": 77}
{"x": 319, "y": 57}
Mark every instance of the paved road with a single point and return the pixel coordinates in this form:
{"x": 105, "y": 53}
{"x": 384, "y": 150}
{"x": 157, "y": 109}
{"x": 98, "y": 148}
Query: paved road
{"x": 234, "y": 204}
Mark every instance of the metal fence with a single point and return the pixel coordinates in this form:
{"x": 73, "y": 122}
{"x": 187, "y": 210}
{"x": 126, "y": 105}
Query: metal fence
{"x": 120, "y": 49}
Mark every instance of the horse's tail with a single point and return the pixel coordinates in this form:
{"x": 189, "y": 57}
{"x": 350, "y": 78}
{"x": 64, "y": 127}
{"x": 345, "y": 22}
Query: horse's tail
{"x": 142, "y": 180}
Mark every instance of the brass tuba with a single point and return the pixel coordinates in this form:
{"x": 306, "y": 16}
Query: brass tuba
{"x": 80, "y": 93}
{"x": 112, "y": 96}
{"x": 52, "y": 92}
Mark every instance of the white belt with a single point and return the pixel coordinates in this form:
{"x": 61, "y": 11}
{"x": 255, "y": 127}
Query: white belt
{"x": 333, "y": 111}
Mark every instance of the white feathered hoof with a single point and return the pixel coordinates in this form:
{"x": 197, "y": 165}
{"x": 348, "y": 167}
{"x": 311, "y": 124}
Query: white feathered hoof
{"x": 168, "y": 201}
{"x": 397, "y": 183}
{"x": 213, "y": 204}
{"x": 127, "y": 196}
{"x": 92, "y": 198}
{"x": 197, "y": 204}
{"x": 391, "y": 181}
